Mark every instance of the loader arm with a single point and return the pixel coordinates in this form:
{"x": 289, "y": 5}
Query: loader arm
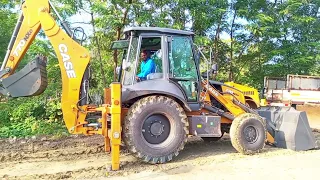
{"x": 73, "y": 58}
{"x": 228, "y": 104}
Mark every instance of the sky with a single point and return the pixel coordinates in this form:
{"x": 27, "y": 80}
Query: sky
{"x": 79, "y": 18}
{"x": 82, "y": 16}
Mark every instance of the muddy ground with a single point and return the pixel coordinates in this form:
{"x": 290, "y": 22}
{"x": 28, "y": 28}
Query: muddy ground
{"x": 79, "y": 157}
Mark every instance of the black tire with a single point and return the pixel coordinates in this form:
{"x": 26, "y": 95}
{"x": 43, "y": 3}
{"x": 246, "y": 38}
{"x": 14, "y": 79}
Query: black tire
{"x": 212, "y": 139}
{"x": 251, "y": 104}
{"x": 137, "y": 135}
{"x": 252, "y": 142}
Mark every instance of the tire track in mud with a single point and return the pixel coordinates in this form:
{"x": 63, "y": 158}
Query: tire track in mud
{"x": 50, "y": 149}
{"x": 84, "y": 162}
{"x": 83, "y": 157}
{"x": 44, "y": 158}
{"x": 62, "y": 159}
{"x": 87, "y": 172}
{"x": 51, "y": 155}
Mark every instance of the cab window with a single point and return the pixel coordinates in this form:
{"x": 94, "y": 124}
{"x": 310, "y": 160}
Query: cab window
{"x": 182, "y": 65}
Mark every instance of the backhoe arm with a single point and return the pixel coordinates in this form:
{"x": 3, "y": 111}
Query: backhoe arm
{"x": 73, "y": 62}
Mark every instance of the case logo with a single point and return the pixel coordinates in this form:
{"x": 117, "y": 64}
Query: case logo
{"x": 66, "y": 61}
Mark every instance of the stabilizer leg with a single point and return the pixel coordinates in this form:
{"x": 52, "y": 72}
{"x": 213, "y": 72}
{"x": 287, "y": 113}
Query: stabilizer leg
{"x": 112, "y": 138}
{"x": 115, "y": 112}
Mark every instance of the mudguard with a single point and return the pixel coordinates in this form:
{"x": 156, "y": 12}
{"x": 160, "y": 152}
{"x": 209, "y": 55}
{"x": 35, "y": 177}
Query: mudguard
{"x": 290, "y": 128}
{"x": 156, "y": 86}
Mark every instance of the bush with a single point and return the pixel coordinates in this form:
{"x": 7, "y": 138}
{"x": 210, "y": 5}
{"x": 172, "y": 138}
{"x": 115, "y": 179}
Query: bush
{"x": 5, "y": 110}
{"x": 27, "y": 117}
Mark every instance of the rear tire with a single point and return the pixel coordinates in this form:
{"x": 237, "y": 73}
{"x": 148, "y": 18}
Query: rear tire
{"x": 251, "y": 104}
{"x": 248, "y": 133}
{"x": 155, "y": 129}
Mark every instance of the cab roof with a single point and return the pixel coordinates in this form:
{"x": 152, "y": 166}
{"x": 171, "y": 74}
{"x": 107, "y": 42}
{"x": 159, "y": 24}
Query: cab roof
{"x": 157, "y": 29}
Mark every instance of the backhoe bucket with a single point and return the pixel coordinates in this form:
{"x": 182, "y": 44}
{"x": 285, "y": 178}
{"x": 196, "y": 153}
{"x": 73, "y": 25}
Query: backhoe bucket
{"x": 290, "y": 128}
{"x": 29, "y": 81}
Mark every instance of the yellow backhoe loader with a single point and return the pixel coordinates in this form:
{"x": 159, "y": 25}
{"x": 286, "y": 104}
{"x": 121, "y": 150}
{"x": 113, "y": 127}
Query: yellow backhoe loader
{"x": 154, "y": 115}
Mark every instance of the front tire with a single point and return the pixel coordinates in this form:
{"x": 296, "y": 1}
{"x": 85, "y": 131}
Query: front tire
{"x": 155, "y": 129}
{"x": 248, "y": 133}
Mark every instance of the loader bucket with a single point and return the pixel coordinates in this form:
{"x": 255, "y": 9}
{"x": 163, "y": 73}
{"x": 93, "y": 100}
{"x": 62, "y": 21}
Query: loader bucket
{"x": 290, "y": 128}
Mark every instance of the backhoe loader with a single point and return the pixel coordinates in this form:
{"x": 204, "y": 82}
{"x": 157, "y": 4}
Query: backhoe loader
{"x": 155, "y": 116}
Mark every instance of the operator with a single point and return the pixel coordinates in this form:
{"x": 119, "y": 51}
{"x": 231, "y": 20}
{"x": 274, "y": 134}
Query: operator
{"x": 147, "y": 66}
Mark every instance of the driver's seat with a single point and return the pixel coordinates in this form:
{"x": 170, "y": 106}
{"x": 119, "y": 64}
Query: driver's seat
{"x": 157, "y": 58}
{"x": 154, "y": 76}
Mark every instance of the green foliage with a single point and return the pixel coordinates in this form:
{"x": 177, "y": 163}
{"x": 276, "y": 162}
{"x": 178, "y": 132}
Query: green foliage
{"x": 8, "y": 20}
{"x": 27, "y": 117}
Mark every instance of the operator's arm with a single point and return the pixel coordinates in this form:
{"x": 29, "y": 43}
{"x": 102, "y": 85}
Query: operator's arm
{"x": 148, "y": 68}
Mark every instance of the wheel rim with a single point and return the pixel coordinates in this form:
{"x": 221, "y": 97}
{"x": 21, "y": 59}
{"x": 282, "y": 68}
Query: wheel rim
{"x": 250, "y": 134}
{"x": 156, "y": 129}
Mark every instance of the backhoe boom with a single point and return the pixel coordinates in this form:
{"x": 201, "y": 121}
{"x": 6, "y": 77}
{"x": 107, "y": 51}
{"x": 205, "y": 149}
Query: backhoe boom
{"x": 73, "y": 58}
{"x": 73, "y": 62}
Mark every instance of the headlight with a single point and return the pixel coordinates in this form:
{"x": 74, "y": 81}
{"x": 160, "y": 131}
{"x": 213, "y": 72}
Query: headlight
{"x": 276, "y": 96}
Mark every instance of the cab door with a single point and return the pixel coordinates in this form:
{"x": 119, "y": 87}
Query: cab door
{"x": 182, "y": 66}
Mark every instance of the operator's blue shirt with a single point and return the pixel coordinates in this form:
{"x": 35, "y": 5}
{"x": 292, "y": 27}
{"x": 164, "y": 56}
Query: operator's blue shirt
{"x": 146, "y": 68}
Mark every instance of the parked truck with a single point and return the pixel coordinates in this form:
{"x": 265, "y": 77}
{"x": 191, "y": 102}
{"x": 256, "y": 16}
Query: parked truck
{"x": 292, "y": 90}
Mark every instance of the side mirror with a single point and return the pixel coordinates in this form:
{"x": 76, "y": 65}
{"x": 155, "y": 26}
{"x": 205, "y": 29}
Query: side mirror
{"x": 214, "y": 68}
{"x": 118, "y": 70}
{"x": 126, "y": 66}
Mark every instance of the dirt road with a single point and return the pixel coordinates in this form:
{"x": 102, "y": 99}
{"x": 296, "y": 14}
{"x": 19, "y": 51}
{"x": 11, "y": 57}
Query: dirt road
{"x": 313, "y": 113}
{"x": 79, "y": 157}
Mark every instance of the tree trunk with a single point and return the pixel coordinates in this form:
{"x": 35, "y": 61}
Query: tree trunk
{"x": 104, "y": 80}
{"x": 231, "y": 47}
{"x": 216, "y": 40}
{"x": 118, "y": 36}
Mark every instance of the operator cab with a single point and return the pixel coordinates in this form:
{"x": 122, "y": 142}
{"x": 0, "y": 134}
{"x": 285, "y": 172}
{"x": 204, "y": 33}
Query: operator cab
{"x": 173, "y": 54}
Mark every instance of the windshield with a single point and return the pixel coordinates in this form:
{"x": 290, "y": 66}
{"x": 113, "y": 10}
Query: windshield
{"x": 121, "y": 44}
{"x": 129, "y": 64}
